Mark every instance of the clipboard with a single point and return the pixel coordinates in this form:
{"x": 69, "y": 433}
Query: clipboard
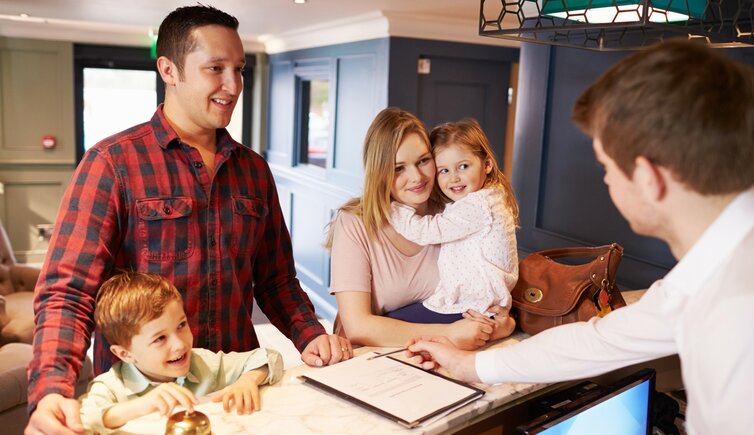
{"x": 394, "y": 389}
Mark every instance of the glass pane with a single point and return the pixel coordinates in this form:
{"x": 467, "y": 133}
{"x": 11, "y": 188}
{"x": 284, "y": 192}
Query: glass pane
{"x": 116, "y": 99}
{"x": 318, "y": 122}
{"x": 235, "y": 127}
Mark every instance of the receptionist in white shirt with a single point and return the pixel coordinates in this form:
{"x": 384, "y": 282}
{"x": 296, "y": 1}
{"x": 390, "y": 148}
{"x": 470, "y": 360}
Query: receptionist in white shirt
{"x": 673, "y": 127}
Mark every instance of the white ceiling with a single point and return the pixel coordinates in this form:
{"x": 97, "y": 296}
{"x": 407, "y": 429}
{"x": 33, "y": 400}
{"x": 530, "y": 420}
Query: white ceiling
{"x": 260, "y": 20}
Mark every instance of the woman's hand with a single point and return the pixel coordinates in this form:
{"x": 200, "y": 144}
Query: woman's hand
{"x": 470, "y": 334}
{"x": 503, "y": 323}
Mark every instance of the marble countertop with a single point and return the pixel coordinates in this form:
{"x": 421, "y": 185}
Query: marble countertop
{"x": 292, "y": 407}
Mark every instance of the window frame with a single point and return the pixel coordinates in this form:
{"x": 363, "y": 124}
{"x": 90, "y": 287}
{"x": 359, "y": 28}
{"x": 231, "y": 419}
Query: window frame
{"x": 139, "y": 58}
{"x": 302, "y": 74}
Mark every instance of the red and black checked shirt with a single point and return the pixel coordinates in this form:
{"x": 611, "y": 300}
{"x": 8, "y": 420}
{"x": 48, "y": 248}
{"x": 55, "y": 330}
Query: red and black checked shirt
{"x": 143, "y": 200}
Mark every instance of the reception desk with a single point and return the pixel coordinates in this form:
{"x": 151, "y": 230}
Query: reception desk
{"x": 293, "y": 407}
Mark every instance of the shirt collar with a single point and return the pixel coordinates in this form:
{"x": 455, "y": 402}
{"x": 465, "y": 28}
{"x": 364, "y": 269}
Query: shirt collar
{"x": 135, "y": 381}
{"x": 166, "y": 135}
{"x": 715, "y": 245}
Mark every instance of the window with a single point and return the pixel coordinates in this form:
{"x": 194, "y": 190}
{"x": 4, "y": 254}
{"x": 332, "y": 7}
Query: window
{"x": 119, "y": 87}
{"x": 115, "y": 99}
{"x": 313, "y": 122}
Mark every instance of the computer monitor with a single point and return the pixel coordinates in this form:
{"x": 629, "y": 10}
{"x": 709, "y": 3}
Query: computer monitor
{"x": 621, "y": 409}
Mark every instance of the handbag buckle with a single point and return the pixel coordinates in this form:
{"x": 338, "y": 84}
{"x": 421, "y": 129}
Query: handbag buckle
{"x": 533, "y": 295}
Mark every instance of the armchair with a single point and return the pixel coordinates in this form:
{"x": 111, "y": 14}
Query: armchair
{"x": 16, "y": 332}
{"x": 16, "y": 296}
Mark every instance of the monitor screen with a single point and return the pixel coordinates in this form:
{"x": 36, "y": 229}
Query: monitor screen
{"x": 624, "y": 410}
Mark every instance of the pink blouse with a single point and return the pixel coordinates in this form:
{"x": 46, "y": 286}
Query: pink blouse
{"x": 376, "y": 266}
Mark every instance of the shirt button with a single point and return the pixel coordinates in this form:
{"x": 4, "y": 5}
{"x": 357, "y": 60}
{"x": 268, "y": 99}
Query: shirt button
{"x": 212, "y": 242}
{"x": 198, "y": 165}
{"x": 167, "y": 210}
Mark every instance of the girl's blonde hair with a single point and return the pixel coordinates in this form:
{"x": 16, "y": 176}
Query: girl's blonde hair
{"x": 469, "y": 134}
{"x": 381, "y": 144}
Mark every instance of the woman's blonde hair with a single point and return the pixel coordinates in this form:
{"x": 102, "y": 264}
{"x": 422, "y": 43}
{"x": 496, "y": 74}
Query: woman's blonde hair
{"x": 469, "y": 134}
{"x": 381, "y": 144}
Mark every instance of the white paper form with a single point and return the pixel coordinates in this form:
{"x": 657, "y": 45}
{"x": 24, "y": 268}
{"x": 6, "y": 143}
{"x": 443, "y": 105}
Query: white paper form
{"x": 393, "y": 388}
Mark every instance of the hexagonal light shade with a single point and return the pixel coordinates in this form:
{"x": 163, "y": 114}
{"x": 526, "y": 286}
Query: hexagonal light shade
{"x": 620, "y": 11}
{"x": 617, "y": 24}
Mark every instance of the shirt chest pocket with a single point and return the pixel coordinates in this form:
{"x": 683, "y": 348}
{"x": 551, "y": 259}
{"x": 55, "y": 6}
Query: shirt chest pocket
{"x": 167, "y": 228}
{"x": 248, "y": 223}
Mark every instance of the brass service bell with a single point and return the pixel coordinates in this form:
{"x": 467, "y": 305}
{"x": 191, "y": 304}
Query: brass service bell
{"x": 188, "y": 423}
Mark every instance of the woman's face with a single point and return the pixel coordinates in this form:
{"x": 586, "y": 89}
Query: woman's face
{"x": 414, "y": 173}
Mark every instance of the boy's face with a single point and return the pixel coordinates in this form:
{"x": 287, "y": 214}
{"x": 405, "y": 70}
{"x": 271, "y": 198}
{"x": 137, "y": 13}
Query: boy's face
{"x": 460, "y": 172}
{"x": 211, "y": 83}
{"x": 162, "y": 348}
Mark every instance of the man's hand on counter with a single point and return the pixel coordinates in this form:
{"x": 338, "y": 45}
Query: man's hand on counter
{"x": 327, "y": 350}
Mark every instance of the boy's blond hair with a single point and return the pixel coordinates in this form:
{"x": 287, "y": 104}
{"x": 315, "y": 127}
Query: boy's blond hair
{"x": 128, "y": 300}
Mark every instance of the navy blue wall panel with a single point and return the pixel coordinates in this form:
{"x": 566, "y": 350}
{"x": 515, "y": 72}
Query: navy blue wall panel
{"x": 563, "y": 199}
{"x": 405, "y": 52}
{"x": 358, "y": 75}
{"x": 282, "y": 99}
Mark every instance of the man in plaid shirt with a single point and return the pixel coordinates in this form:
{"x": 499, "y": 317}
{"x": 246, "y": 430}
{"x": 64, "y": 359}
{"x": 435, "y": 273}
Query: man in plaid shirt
{"x": 176, "y": 196}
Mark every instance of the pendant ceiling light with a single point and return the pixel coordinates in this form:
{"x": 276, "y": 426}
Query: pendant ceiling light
{"x": 617, "y": 24}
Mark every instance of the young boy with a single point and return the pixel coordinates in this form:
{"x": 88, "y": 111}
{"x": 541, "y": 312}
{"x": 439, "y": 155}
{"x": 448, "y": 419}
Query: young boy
{"x": 141, "y": 316}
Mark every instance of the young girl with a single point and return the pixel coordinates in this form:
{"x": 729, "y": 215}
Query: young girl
{"x": 376, "y": 272}
{"x": 478, "y": 261}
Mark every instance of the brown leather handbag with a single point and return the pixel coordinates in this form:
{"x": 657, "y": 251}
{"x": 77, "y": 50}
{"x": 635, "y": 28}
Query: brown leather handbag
{"x": 551, "y": 293}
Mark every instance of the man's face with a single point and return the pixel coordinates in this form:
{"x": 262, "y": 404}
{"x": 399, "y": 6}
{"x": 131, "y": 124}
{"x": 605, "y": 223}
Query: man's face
{"x": 162, "y": 348}
{"x": 208, "y": 90}
{"x": 626, "y": 195}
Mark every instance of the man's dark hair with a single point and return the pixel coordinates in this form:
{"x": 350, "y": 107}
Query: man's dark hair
{"x": 175, "y": 39}
{"x": 683, "y": 106}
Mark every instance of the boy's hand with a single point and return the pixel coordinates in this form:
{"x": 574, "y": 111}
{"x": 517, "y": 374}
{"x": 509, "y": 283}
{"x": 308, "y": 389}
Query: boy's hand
{"x": 162, "y": 399}
{"x": 166, "y": 397}
{"x": 244, "y": 393}
{"x": 433, "y": 352}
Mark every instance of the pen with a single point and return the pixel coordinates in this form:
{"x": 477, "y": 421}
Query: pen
{"x": 387, "y": 353}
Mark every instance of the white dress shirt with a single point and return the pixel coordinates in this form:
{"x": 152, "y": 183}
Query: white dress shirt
{"x": 703, "y": 310}
{"x": 478, "y": 261}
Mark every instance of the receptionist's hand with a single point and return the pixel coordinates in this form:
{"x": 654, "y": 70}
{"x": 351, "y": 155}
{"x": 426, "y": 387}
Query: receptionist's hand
{"x": 327, "y": 349}
{"x": 434, "y": 352}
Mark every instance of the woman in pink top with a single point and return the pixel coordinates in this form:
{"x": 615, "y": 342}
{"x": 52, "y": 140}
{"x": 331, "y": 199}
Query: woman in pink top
{"x": 374, "y": 270}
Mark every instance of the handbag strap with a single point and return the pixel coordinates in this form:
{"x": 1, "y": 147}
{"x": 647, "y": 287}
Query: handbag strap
{"x": 584, "y": 251}
{"x": 611, "y": 253}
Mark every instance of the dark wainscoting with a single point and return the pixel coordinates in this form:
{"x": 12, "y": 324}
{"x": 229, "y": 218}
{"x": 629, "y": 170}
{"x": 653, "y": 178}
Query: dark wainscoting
{"x": 558, "y": 182}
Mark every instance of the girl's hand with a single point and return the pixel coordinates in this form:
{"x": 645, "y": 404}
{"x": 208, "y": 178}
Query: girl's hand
{"x": 469, "y": 334}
